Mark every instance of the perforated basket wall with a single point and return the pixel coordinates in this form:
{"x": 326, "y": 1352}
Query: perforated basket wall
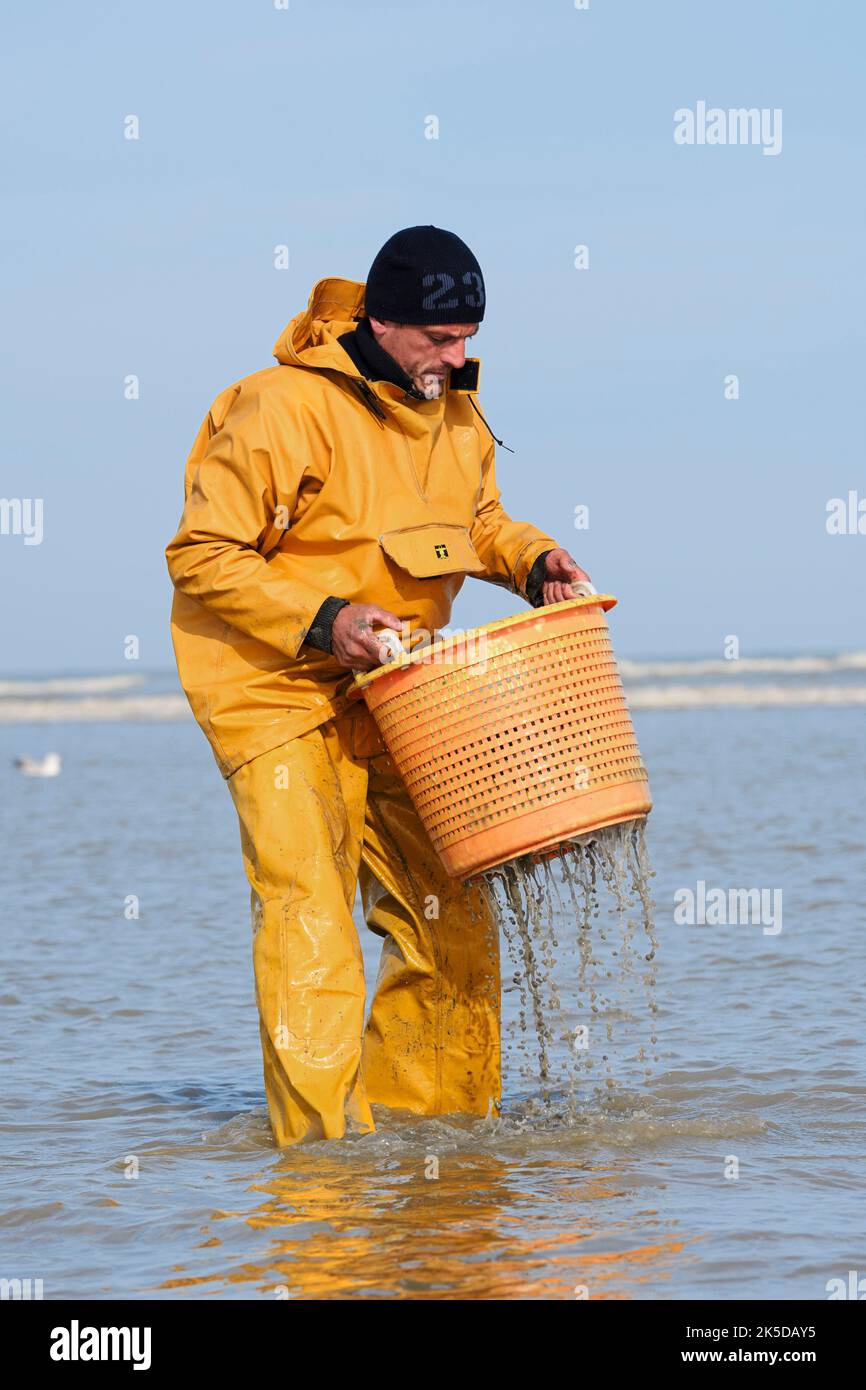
{"x": 515, "y": 736}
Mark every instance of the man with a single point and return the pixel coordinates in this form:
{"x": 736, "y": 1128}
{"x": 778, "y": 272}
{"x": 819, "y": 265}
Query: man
{"x": 348, "y": 488}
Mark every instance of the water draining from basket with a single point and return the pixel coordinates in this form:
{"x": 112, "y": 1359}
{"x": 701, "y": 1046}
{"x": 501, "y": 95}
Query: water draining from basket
{"x": 579, "y": 930}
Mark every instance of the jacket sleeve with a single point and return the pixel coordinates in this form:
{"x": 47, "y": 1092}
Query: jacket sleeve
{"x": 507, "y": 548}
{"x": 230, "y": 508}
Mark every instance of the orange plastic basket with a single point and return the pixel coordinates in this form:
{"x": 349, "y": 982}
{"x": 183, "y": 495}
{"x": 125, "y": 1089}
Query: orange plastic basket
{"x": 514, "y": 736}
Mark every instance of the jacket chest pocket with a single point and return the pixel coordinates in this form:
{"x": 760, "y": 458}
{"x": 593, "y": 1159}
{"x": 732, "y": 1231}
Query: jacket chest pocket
{"x": 432, "y": 549}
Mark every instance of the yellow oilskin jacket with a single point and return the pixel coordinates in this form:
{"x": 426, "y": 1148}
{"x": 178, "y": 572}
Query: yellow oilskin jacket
{"x": 307, "y": 481}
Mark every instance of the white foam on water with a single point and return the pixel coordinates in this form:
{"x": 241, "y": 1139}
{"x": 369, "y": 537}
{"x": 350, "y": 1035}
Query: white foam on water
{"x": 752, "y": 696}
{"x": 165, "y": 708}
{"x": 745, "y": 665}
{"x": 658, "y": 685}
{"x": 69, "y": 685}
{"x": 137, "y": 709}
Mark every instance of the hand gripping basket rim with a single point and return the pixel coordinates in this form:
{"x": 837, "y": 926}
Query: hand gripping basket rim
{"x": 422, "y": 655}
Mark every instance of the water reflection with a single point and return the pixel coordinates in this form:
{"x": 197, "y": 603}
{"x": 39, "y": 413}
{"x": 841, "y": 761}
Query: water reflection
{"x": 364, "y": 1222}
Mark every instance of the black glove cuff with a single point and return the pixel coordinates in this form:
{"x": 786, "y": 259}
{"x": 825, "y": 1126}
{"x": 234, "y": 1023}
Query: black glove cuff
{"x": 321, "y": 630}
{"x": 535, "y": 580}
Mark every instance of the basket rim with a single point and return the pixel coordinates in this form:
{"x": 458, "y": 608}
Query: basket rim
{"x": 422, "y": 655}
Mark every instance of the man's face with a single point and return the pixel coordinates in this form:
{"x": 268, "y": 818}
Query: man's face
{"x": 427, "y": 351}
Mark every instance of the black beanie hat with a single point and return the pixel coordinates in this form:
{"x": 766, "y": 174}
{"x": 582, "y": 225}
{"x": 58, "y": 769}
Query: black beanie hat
{"x": 425, "y": 275}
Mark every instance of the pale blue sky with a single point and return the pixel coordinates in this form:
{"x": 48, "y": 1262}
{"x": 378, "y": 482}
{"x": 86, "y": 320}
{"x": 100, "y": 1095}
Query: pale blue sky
{"x": 306, "y": 127}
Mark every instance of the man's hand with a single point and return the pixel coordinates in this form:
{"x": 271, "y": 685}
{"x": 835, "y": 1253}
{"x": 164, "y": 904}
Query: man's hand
{"x": 353, "y": 642}
{"x": 560, "y": 573}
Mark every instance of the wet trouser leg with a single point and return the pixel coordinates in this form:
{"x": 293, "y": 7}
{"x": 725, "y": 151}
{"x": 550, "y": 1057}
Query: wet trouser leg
{"x": 308, "y": 811}
{"x": 301, "y": 813}
{"x": 432, "y": 1041}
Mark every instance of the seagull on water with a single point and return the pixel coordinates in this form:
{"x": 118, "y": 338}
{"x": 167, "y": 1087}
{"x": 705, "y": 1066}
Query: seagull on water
{"x": 49, "y": 766}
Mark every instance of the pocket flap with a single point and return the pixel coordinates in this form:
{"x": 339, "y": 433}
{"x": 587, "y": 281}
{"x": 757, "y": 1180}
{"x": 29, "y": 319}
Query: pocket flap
{"x": 432, "y": 549}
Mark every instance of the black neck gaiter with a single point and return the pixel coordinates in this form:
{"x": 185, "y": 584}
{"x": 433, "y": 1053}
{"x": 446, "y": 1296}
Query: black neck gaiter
{"x": 373, "y": 361}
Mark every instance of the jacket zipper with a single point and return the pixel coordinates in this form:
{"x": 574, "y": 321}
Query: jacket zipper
{"x": 422, "y": 495}
{"x": 372, "y": 401}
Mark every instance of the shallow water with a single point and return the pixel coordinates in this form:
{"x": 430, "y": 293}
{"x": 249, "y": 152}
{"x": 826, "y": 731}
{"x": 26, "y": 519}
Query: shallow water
{"x": 137, "y": 1040}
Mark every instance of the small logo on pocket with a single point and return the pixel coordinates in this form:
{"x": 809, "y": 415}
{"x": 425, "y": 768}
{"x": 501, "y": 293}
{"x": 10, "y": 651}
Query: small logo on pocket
{"x": 441, "y": 552}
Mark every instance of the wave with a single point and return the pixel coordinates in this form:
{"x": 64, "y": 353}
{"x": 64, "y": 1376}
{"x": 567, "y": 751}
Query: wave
{"x": 746, "y": 665}
{"x": 766, "y": 696}
{"x": 69, "y": 685}
{"x": 154, "y": 709}
{"x": 140, "y": 709}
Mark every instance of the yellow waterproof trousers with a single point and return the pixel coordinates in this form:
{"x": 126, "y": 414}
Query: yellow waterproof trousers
{"x": 316, "y": 814}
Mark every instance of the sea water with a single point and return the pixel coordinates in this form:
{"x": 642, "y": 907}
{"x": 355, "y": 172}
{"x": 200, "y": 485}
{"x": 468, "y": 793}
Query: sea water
{"x": 137, "y": 1156}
